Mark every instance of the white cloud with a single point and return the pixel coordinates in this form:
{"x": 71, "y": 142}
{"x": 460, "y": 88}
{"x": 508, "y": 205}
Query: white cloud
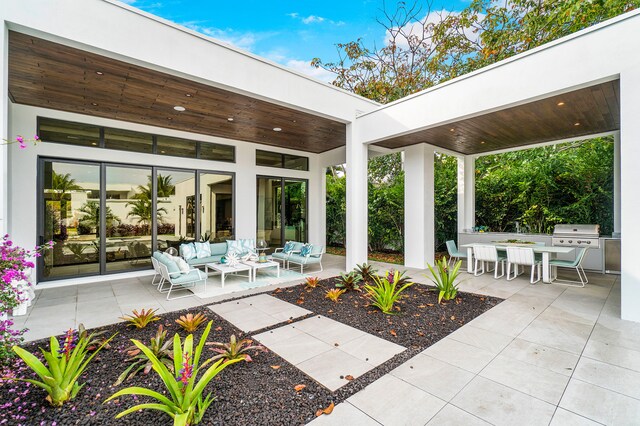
{"x": 242, "y": 40}
{"x": 314, "y": 19}
{"x": 305, "y": 67}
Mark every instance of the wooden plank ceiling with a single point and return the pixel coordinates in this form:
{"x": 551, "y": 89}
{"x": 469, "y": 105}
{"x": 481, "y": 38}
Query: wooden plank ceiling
{"x": 51, "y": 75}
{"x": 583, "y": 112}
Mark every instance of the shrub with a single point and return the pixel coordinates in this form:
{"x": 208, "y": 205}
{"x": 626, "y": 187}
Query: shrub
{"x": 190, "y": 322}
{"x": 334, "y": 294}
{"x": 141, "y": 319}
{"x": 161, "y": 349}
{"x": 8, "y": 339}
{"x": 311, "y": 282}
{"x": 444, "y": 278}
{"x": 184, "y": 402}
{"x": 386, "y": 291}
{"x": 234, "y": 349}
{"x": 366, "y": 272}
{"x": 349, "y": 281}
{"x": 64, "y": 364}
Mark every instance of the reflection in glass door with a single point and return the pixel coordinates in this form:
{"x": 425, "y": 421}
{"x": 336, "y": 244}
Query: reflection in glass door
{"x": 282, "y": 210}
{"x": 176, "y": 212}
{"x": 128, "y": 218}
{"x": 216, "y": 215}
{"x": 70, "y": 194}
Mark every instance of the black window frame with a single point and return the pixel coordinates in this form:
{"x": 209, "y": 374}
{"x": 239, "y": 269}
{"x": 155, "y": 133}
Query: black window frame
{"x": 283, "y": 158}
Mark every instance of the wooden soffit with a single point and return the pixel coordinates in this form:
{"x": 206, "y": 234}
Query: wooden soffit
{"x": 583, "y": 112}
{"x": 51, "y": 75}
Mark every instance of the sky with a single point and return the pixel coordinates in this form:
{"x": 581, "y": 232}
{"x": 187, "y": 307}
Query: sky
{"x": 289, "y": 32}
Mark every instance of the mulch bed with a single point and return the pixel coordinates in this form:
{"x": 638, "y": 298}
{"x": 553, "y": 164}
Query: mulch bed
{"x": 246, "y": 393}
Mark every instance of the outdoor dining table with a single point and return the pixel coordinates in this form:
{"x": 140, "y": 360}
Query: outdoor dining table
{"x": 544, "y": 250}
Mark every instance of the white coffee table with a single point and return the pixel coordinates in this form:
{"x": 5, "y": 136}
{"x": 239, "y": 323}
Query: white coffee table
{"x": 225, "y": 270}
{"x": 262, "y": 265}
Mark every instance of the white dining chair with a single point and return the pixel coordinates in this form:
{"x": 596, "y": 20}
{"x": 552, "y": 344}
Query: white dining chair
{"x": 484, "y": 255}
{"x": 522, "y": 256}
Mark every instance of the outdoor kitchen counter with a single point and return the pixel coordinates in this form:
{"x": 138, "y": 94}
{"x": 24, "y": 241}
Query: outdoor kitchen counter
{"x": 593, "y": 260}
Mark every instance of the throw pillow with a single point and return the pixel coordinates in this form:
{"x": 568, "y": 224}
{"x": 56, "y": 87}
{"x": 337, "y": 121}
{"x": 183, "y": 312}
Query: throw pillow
{"x": 288, "y": 247}
{"x": 306, "y": 250}
{"x": 202, "y": 250}
{"x": 187, "y": 251}
{"x": 182, "y": 264}
{"x": 247, "y": 246}
{"x": 233, "y": 246}
{"x": 172, "y": 266}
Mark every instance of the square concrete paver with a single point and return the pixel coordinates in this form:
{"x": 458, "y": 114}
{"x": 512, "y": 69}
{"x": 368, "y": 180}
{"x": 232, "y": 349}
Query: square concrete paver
{"x": 344, "y": 414}
{"x": 453, "y": 416}
{"x": 409, "y": 406}
{"x": 327, "y": 350}
{"x": 257, "y": 312}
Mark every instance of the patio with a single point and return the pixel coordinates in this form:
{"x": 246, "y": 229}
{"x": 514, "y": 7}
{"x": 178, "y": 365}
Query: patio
{"x": 548, "y": 354}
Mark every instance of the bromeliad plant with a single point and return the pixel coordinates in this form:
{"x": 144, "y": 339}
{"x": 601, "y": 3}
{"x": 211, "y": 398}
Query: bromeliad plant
{"x": 311, "y": 282}
{"x": 349, "y": 281}
{"x": 386, "y": 291}
{"x": 334, "y": 294}
{"x": 366, "y": 271}
{"x": 234, "y": 349}
{"x": 190, "y": 322}
{"x": 141, "y": 319}
{"x": 444, "y": 277}
{"x": 65, "y": 362}
{"x": 185, "y": 402}
{"x": 160, "y": 347}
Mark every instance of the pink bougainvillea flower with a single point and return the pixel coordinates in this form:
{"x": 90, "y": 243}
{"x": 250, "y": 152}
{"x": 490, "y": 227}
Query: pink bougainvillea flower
{"x": 36, "y": 138}
{"x": 19, "y": 139}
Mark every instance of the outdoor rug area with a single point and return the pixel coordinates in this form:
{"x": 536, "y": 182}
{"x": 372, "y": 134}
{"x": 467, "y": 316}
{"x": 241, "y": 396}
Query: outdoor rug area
{"x": 236, "y": 283}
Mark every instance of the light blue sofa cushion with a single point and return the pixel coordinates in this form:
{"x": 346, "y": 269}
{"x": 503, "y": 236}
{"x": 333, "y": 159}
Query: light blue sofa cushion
{"x": 296, "y": 258}
{"x": 218, "y": 249}
{"x": 157, "y": 255}
{"x": 280, "y": 255}
{"x": 210, "y": 259}
{"x": 187, "y": 278}
{"x": 170, "y": 264}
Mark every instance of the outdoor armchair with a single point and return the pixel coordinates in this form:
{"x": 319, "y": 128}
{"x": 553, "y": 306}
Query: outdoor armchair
{"x": 313, "y": 258}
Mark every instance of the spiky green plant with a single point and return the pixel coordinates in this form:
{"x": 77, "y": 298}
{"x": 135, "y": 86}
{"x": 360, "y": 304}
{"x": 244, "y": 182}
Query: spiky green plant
{"x": 366, "y": 271}
{"x": 185, "y": 402}
{"x": 386, "y": 291}
{"x": 311, "y": 282}
{"x": 141, "y": 319}
{"x": 334, "y": 294}
{"x": 235, "y": 349}
{"x": 160, "y": 347}
{"x": 349, "y": 281}
{"x": 444, "y": 277}
{"x": 190, "y": 322}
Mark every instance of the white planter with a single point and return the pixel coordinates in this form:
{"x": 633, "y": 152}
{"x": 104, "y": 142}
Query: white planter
{"x": 3, "y": 316}
{"x": 20, "y": 310}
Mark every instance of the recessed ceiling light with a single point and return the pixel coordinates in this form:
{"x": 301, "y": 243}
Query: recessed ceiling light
{"x": 188, "y": 95}
{"x": 93, "y": 143}
{"x": 169, "y": 118}
{"x": 576, "y": 124}
{"x": 482, "y": 142}
{"x": 179, "y": 108}
{"x": 99, "y": 73}
{"x": 161, "y": 152}
{"x": 560, "y": 103}
{"x": 94, "y": 104}
{"x": 452, "y": 130}
{"x": 230, "y": 119}
{"x": 277, "y": 129}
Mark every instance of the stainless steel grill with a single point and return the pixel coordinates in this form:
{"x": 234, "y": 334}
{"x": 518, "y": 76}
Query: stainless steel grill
{"x": 576, "y": 236}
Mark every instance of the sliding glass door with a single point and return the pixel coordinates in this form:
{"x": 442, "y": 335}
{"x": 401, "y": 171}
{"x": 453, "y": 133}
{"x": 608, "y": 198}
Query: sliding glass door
{"x": 108, "y": 218}
{"x": 282, "y": 210}
{"x": 69, "y": 205}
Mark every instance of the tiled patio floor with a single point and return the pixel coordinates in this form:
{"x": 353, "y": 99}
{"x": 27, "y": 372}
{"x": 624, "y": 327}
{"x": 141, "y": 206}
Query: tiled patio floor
{"x": 548, "y": 354}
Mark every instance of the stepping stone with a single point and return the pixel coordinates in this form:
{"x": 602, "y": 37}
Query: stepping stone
{"x": 257, "y": 312}
{"x": 328, "y": 351}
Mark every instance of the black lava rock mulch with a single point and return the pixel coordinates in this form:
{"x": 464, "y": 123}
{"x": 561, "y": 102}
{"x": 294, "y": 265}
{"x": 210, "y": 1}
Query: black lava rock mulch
{"x": 257, "y": 393}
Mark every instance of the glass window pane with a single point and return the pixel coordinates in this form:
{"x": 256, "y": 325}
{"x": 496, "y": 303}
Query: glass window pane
{"x": 269, "y": 211}
{"x": 295, "y": 162}
{"x": 217, "y": 152}
{"x": 295, "y": 210}
{"x": 65, "y": 132}
{"x": 69, "y": 219}
{"x": 127, "y": 140}
{"x": 268, "y": 159}
{"x": 176, "y": 208}
{"x": 128, "y": 218}
{"x": 216, "y": 193}
{"x": 176, "y": 147}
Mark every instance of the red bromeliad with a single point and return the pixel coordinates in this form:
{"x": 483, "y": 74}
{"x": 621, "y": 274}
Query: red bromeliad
{"x": 186, "y": 371}
{"x": 70, "y": 340}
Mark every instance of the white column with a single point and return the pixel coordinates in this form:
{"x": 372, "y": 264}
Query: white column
{"x": 630, "y": 200}
{"x": 616, "y": 183}
{"x": 317, "y": 202}
{"x": 357, "y": 211}
{"x": 245, "y": 196}
{"x": 466, "y": 192}
{"x": 4, "y": 127}
{"x": 419, "y": 235}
